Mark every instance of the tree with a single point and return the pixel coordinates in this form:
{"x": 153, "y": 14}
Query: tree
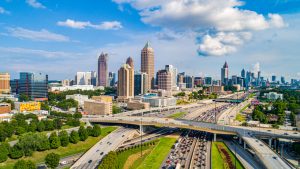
{"x": 23, "y": 164}
{"x": 74, "y": 137}
{"x": 54, "y": 140}
{"x": 89, "y": 130}
{"x": 116, "y": 109}
{"x": 3, "y": 152}
{"x": 16, "y": 151}
{"x": 32, "y": 126}
{"x": 52, "y": 160}
{"x": 43, "y": 142}
{"x": 23, "y": 98}
{"x": 20, "y": 130}
{"x": 77, "y": 115}
{"x": 96, "y": 131}
{"x": 49, "y": 125}
{"x": 83, "y": 134}
{"x": 57, "y": 123}
{"x": 64, "y": 138}
{"x": 41, "y": 126}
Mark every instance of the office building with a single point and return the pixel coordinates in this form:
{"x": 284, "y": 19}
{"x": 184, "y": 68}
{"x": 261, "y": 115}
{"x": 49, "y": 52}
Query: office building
{"x": 103, "y": 98}
{"x": 137, "y": 105}
{"x": 93, "y": 107}
{"x": 5, "y": 108}
{"x": 173, "y": 72}
{"x": 129, "y": 62}
{"x": 208, "y": 81}
{"x": 273, "y": 96}
{"x": 79, "y": 98}
{"x": 156, "y": 101}
{"x": 243, "y": 73}
{"x": 65, "y": 82}
{"x": 112, "y": 78}
{"x": 94, "y": 78}
{"x": 147, "y": 64}
{"x": 74, "y": 87}
{"x": 140, "y": 83}
{"x": 224, "y": 74}
{"x": 273, "y": 78}
{"x": 282, "y": 79}
{"x": 125, "y": 82}
{"x": 33, "y": 85}
{"x": 103, "y": 70}
{"x": 4, "y": 83}
{"x": 164, "y": 80}
{"x": 83, "y": 78}
{"x": 189, "y": 81}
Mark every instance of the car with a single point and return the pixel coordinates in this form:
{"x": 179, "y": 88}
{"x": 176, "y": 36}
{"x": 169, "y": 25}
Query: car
{"x": 101, "y": 153}
{"x": 286, "y": 134}
{"x": 90, "y": 161}
{"x": 261, "y": 145}
{"x": 274, "y": 157}
{"x": 97, "y": 151}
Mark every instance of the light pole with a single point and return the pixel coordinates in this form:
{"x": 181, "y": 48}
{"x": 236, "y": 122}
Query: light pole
{"x": 142, "y": 134}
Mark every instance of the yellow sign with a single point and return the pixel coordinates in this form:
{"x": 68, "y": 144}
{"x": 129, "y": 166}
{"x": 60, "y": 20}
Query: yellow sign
{"x": 30, "y": 106}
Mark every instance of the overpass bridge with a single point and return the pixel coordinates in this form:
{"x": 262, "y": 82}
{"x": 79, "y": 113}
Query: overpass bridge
{"x": 268, "y": 157}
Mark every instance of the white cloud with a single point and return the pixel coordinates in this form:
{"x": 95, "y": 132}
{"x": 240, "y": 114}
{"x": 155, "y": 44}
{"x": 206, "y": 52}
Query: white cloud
{"x": 106, "y": 25}
{"x": 36, "y": 52}
{"x": 256, "y": 67}
{"x": 3, "y": 11}
{"x": 218, "y": 16}
{"x": 42, "y": 35}
{"x": 35, "y": 4}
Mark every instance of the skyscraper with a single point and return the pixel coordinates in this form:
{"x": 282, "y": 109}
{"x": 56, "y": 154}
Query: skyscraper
{"x": 103, "y": 70}
{"x": 273, "y": 78}
{"x": 147, "y": 64}
{"x": 129, "y": 62}
{"x": 173, "y": 72}
{"x": 224, "y": 74}
{"x": 33, "y": 85}
{"x": 112, "y": 78}
{"x": 4, "y": 83}
{"x": 243, "y": 73}
{"x": 140, "y": 83}
{"x": 83, "y": 78}
{"x": 282, "y": 79}
{"x": 125, "y": 82}
{"x": 164, "y": 80}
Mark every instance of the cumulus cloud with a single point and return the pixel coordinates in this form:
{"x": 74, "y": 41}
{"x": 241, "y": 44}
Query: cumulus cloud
{"x": 3, "y": 11}
{"x": 35, "y": 4}
{"x": 256, "y": 67}
{"x": 41, "y": 35}
{"x": 221, "y": 16}
{"x": 106, "y": 25}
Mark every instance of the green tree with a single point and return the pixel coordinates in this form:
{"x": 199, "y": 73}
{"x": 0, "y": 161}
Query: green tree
{"x": 116, "y": 109}
{"x": 41, "y": 126}
{"x": 96, "y": 131}
{"x": 16, "y": 151}
{"x": 32, "y": 126}
{"x": 57, "y": 123}
{"x": 42, "y": 142}
{"x": 23, "y": 164}
{"x": 49, "y": 125}
{"x": 52, "y": 160}
{"x": 64, "y": 138}
{"x": 4, "y": 151}
{"x": 74, "y": 137}
{"x": 89, "y": 130}
{"x": 20, "y": 130}
{"x": 23, "y": 98}
{"x": 54, "y": 140}
{"x": 77, "y": 115}
{"x": 83, "y": 134}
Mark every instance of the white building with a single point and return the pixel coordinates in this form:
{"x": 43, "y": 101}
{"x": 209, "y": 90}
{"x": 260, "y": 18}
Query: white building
{"x": 75, "y": 87}
{"x": 173, "y": 71}
{"x": 273, "y": 96}
{"x": 156, "y": 101}
{"x": 79, "y": 98}
{"x": 83, "y": 78}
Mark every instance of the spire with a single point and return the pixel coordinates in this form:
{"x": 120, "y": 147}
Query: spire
{"x": 129, "y": 61}
{"x": 225, "y": 65}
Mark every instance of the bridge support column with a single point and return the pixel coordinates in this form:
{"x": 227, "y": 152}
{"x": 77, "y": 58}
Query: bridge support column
{"x": 240, "y": 140}
{"x": 215, "y": 137}
{"x": 270, "y": 142}
{"x": 245, "y": 145}
{"x": 275, "y": 145}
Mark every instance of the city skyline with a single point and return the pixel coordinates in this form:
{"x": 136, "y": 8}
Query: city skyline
{"x": 65, "y": 44}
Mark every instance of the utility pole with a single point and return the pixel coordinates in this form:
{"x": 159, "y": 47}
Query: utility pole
{"x": 142, "y": 134}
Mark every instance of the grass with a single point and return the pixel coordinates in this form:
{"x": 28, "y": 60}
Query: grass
{"x": 217, "y": 161}
{"x": 80, "y": 147}
{"x": 177, "y": 115}
{"x": 158, "y": 154}
{"x": 123, "y": 156}
{"x": 182, "y": 102}
{"x": 240, "y": 118}
{"x": 244, "y": 108}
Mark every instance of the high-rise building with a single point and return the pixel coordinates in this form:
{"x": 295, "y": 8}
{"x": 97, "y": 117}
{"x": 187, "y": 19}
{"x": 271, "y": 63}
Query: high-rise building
{"x": 125, "y": 82}
{"x": 112, "y": 78}
{"x": 243, "y": 73}
{"x": 33, "y": 85}
{"x": 94, "y": 78}
{"x": 224, "y": 74}
{"x": 147, "y": 64}
{"x": 282, "y": 79}
{"x": 65, "y": 82}
{"x": 83, "y": 78}
{"x": 173, "y": 72}
{"x": 4, "y": 83}
{"x": 103, "y": 70}
{"x": 164, "y": 80}
{"x": 140, "y": 83}
{"x": 208, "y": 81}
{"x": 189, "y": 81}
{"x": 234, "y": 80}
{"x": 273, "y": 78}
{"x": 129, "y": 62}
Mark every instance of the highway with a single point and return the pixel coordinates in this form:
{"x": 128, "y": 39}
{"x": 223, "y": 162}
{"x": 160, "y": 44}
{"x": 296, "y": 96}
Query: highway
{"x": 111, "y": 142}
{"x": 266, "y": 155}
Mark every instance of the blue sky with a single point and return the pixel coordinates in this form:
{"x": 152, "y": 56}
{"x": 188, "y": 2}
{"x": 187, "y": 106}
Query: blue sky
{"x": 61, "y": 37}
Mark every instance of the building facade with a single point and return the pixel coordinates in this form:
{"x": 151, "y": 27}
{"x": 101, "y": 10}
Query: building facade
{"x": 103, "y": 70}
{"x": 92, "y": 107}
{"x": 125, "y": 82}
{"x": 112, "y": 78}
{"x": 83, "y": 78}
{"x": 224, "y": 74}
{"x": 173, "y": 72}
{"x": 140, "y": 83}
{"x": 4, "y": 83}
{"x": 147, "y": 64}
{"x": 164, "y": 80}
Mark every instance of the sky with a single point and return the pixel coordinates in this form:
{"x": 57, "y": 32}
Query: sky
{"x": 62, "y": 37}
